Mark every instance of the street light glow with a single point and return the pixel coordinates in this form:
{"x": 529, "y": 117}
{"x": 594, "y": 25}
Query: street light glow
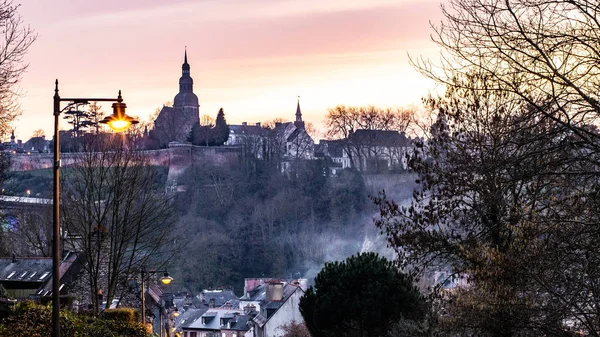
{"x": 119, "y": 125}
{"x": 166, "y": 279}
{"x": 119, "y": 121}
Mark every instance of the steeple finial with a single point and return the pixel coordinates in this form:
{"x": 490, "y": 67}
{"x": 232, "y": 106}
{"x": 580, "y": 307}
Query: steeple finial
{"x": 185, "y": 55}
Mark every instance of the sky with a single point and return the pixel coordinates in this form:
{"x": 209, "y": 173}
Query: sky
{"x": 251, "y": 57}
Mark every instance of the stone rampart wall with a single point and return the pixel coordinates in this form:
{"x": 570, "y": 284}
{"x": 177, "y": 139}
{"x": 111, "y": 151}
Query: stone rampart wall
{"x": 178, "y": 157}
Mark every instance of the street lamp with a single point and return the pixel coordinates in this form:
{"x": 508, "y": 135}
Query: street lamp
{"x": 166, "y": 279}
{"x": 118, "y": 114}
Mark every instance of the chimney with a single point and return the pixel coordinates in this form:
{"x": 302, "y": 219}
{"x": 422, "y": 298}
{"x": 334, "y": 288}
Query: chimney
{"x": 258, "y": 124}
{"x": 274, "y": 291}
{"x": 14, "y": 259}
{"x": 249, "y": 308}
{"x": 211, "y": 303}
{"x": 244, "y": 123}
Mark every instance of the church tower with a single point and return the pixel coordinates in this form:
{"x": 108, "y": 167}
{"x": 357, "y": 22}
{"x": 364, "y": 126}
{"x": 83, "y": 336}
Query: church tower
{"x": 186, "y": 100}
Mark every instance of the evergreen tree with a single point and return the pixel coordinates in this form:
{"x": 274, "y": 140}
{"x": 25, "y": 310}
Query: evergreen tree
{"x": 362, "y": 296}
{"x": 221, "y": 129}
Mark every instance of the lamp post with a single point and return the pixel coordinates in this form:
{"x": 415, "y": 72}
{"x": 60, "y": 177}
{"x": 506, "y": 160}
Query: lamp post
{"x": 118, "y": 121}
{"x": 166, "y": 279}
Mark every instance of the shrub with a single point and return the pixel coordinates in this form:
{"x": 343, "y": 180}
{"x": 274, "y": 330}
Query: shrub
{"x": 33, "y": 320}
{"x": 121, "y": 314}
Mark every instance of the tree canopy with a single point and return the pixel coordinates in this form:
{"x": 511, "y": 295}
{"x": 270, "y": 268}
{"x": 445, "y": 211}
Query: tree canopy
{"x": 361, "y": 296}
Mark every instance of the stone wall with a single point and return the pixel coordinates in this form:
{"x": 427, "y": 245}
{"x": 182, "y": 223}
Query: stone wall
{"x": 178, "y": 157}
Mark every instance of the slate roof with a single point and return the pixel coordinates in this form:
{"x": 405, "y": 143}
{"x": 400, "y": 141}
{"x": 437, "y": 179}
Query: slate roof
{"x": 379, "y": 138}
{"x": 189, "y": 316}
{"x": 294, "y": 134}
{"x": 259, "y": 293}
{"x": 69, "y": 270}
{"x": 211, "y": 319}
{"x": 38, "y": 269}
{"x": 219, "y": 296}
{"x": 247, "y": 130}
{"x": 332, "y": 148}
{"x": 240, "y": 323}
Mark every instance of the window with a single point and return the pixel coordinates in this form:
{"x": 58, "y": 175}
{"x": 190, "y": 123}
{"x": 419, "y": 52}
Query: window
{"x": 193, "y": 334}
{"x": 223, "y": 334}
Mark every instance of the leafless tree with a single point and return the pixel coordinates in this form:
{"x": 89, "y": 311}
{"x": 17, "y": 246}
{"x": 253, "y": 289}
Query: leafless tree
{"x": 115, "y": 210}
{"x": 39, "y": 133}
{"x": 543, "y": 51}
{"x": 14, "y": 44}
{"x": 206, "y": 120}
{"x": 342, "y": 122}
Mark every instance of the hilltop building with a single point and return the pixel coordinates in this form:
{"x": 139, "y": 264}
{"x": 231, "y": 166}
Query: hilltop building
{"x": 174, "y": 123}
{"x": 287, "y": 141}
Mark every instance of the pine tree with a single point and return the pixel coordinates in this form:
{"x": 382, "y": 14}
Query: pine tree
{"x": 221, "y": 129}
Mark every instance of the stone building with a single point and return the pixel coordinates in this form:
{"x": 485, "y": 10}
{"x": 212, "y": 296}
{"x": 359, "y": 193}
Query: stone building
{"x": 174, "y": 123}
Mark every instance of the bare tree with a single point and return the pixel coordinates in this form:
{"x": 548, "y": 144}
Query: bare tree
{"x": 39, "y": 133}
{"x": 35, "y": 228}
{"x": 342, "y": 122}
{"x": 542, "y": 51}
{"x": 206, "y": 120}
{"x": 116, "y": 211}
{"x": 16, "y": 40}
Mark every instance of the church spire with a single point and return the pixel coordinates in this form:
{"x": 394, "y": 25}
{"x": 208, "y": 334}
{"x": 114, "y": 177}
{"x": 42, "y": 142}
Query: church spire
{"x": 298, "y": 112}
{"x": 186, "y": 84}
{"x": 185, "y": 67}
{"x": 298, "y": 121}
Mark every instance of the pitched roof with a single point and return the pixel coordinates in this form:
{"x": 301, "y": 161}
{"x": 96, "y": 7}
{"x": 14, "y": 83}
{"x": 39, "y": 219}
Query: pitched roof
{"x": 379, "y": 138}
{"x": 239, "y": 323}
{"x": 189, "y": 316}
{"x": 259, "y": 294}
{"x": 332, "y": 148}
{"x": 253, "y": 130}
{"x": 219, "y": 296}
{"x": 32, "y": 269}
{"x": 211, "y": 320}
{"x": 294, "y": 135}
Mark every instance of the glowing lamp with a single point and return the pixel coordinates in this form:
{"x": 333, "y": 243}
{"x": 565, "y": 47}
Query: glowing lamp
{"x": 119, "y": 121}
{"x": 166, "y": 279}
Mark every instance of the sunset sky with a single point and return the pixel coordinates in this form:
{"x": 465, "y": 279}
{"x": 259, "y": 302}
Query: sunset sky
{"x": 251, "y": 57}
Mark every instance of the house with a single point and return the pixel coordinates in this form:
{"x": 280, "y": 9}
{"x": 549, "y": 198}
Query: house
{"x": 334, "y": 154}
{"x": 217, "y": 322}
{"x": 213, "y": 298}
{"x": 36, "y": 144}
{"x": 253, "y": 139}
{"x": 31, "y": 277}
{"x": 275, "y": 303}
{"x": 22, "y": 277}
{"x": 378, "y": 150}
{"x": 286, "y": 141}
